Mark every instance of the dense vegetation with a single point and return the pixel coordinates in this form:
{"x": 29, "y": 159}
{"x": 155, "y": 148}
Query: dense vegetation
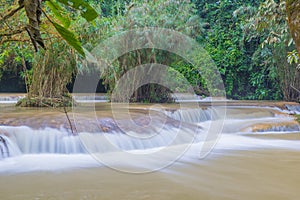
{"x": 250, "y": 42}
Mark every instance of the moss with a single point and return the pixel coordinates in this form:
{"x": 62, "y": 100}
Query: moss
{"x": 45, "y": 102}
{"x": 297, "y": 118}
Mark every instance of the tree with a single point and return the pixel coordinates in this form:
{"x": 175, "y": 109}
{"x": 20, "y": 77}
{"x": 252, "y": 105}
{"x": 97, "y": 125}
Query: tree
{"x": 34, "y": 10}
{"x": 270, "y": 26}
{"x": 293, "y": 13}
{"x": 32, "y": 22}
{"x": 232, "y": 51}
{"x": 176, "y": 15}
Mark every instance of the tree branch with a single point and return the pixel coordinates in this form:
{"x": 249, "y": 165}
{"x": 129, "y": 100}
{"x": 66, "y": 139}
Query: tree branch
{"x": 15, "y": 32}
{"x": 11, "y": 13}
{"x": 13, "y": 40}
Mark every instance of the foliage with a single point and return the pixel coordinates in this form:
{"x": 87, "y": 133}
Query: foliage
{"x": 298, "y": 118}
{"x": 176, "y": 15}
{"x": 250, "y": 42}
{"x": 86, "y": 11}
{"x": 46, "y": 72}
{"x": 34, "y": 10}
{"x": 270, "y": 26}
{"x": 224, "y": 40}
{"x": 69, "y": 37}
{"x": 59, "y": 65}
{"x": 293, "y": 58}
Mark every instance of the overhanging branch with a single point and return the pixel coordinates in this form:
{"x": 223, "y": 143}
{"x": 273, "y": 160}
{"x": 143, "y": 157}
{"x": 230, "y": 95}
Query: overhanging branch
{"x": 11, "y": 13}
{"x": 11, "y": 33}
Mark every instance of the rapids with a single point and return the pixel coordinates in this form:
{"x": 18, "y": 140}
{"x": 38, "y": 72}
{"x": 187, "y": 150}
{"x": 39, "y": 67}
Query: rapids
{"x": 242, "y": 128}
{"x": 256, "y": 156}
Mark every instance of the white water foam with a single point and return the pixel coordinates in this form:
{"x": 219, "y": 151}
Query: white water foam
{"x": 59, "y": 162}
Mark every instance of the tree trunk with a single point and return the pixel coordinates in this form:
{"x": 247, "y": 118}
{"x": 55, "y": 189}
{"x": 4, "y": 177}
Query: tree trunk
{"x": 293, "y": 13}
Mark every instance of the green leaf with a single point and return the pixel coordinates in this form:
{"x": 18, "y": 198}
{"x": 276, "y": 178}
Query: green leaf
{"x": 69, "y": 37}
{"x": 57, "y": 11}
{"x": 86, "y": 10}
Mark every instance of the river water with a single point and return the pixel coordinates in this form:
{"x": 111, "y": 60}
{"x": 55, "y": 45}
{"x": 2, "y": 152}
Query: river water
{"x": 257, "y": 155}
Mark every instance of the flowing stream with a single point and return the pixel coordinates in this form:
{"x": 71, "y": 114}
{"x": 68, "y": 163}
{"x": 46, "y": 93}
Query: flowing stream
{"x": 257, "y": 155}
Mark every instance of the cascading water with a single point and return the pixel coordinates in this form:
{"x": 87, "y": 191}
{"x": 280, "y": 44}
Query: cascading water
{"x": 8, "y": 148}
{"x": 29, "y": 141}
{"x": 10, "y": 98}
{"x": 193, "y": 115}
{"x": 294, "y": 108}
{"x": 4, "y": 151}
{"x": 22, "y": 141}
{"x": 240, "y": 119}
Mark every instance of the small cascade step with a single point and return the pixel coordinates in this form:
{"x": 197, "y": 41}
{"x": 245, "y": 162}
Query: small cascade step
{"x": 53, "y": 141}
{"x": 10, "y": 98}
{"x": 4, "y": 150}
{"x": 295, "y": 109}
{"x": 193, "y": 115}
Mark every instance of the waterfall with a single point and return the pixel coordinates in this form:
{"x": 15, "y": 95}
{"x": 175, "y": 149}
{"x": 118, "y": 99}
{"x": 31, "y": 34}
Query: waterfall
{"x": 119, "y": 141}
{"x": 8, "y": 148}
{"x": 90, "y": 98}
{"x": 10, "y": 99}
{"x": 24, "y": 140}
{"x": 4, "y": 151}
{"x": 193, "y": 115}
{"x": 30, "y": 141}
{"x": 295, "y": 109}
